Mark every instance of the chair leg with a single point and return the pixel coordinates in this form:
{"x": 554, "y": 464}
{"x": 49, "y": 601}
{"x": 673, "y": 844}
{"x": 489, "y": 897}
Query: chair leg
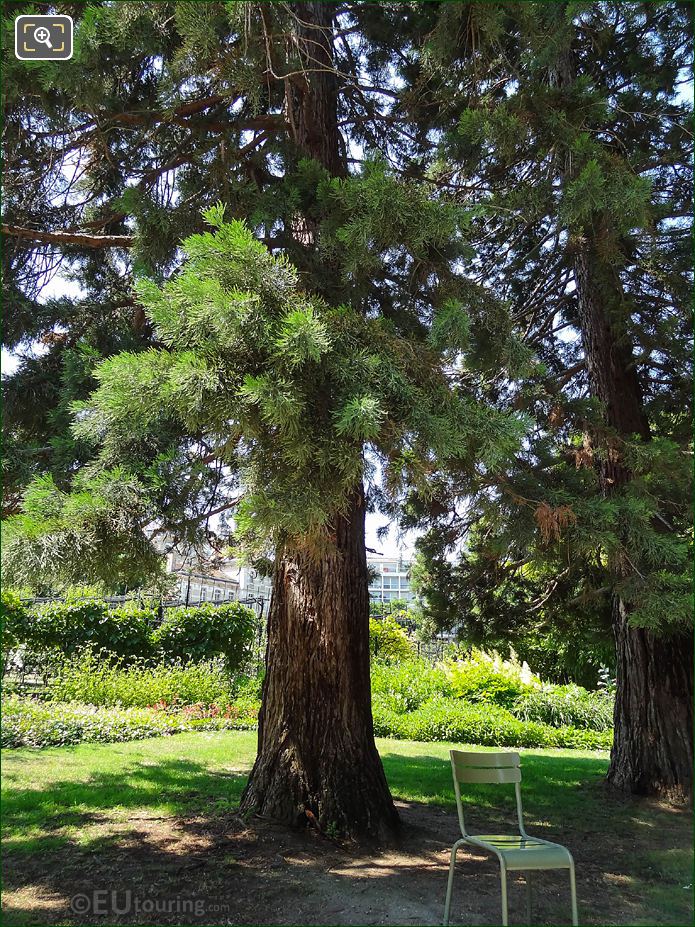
{"x": 503, "y": 885}
{"x": 450, "y": 883}
{"x": 529, "y": 919}
{"x": 573, "y": 893}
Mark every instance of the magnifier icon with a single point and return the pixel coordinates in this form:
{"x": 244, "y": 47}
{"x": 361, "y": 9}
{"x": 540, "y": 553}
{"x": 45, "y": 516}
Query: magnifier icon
{"x": 43, "y": 35}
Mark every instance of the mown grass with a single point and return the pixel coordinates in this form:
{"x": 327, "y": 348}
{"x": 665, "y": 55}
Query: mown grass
{"x": 77, "y": 796}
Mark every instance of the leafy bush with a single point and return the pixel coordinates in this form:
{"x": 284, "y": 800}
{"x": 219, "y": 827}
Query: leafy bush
{"x": 130, "y": 631}
{"x": 404, "y": 687}
{"x": 206, "y": 631}
{"x": 481, "y": 677}
{"x": 12, "y": 617}
{"x": 71, "y": 626}
{"x": 441, "y": 719}
{"x": 91, "y": 679}
{"x": 29, "y": 723}
{"x": 388, "y": 641}
{"x": 566, "y": 705}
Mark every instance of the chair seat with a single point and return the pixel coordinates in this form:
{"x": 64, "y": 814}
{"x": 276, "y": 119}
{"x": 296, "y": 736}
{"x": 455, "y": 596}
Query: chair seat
{"x": 524, "y": 852}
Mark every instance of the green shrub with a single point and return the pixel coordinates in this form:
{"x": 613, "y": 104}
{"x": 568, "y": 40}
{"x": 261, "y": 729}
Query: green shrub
{"x": 404, "y": 687}
{"x": 69, "y": 627}
{"x": 566, "y": 705}
{"x": 92, "y": 679}
{"x": 388, "y": 641}
{"x": 130, "y": 631}
{"x": 452, "y": 720}
{"x": 29, "y": 723}
{"x": 481, "y": 677}
{"x": 12, "y": 619}
{"x": 194, "y": 634}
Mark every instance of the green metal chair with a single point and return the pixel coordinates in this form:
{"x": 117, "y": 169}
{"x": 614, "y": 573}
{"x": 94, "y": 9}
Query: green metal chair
{"x": 513, "y": 852}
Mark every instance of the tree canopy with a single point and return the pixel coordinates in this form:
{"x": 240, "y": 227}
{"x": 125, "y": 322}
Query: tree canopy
{"x": 449, "y": 258}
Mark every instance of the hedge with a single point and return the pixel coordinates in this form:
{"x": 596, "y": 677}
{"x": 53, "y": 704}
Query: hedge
{"x": 199, "y": 633}
{"x": 130, "y": 631}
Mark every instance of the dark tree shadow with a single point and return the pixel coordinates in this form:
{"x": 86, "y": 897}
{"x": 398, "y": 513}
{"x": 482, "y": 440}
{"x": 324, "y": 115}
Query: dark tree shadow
{"x": 163, "y": 844}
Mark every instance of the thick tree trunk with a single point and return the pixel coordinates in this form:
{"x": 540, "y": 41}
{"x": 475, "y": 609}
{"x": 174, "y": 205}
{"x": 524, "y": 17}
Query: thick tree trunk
{"x": 653, "y": 747}
{"x": 317, "y": 761}
{"x": 653, "y": 743}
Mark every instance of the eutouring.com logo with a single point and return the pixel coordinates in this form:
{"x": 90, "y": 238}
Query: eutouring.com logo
{"x": 43, "y": 38}
{"x": 106, "y": 902}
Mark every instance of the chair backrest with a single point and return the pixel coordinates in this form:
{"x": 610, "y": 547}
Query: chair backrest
{"x": 493, "y": 768}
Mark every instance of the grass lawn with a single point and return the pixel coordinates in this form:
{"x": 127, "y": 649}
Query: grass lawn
{"x": 161, "y": 813}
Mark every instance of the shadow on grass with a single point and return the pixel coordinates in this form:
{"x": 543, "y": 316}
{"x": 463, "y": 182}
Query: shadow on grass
{"x": 563, "y": 788}
{"x": 180, "y": 787}
{"x": 167, "y": 829}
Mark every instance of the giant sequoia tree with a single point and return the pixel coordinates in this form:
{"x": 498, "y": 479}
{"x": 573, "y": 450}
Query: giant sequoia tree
{"x": 400, "y": 157}
{"x": 567, "y": 122}
{"x": 269, "y": 386}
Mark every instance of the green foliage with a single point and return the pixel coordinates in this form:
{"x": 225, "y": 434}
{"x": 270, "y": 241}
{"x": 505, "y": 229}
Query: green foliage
{"x": 93, "y": 679}
{"x": 367, "y": 214}
{"x": 483, "y": 682}
{"x": 482, "y": 677}
{"x": 388, "y": 641}
{"x": 90, "y": 535}
{"x": 69, "y": 627}
{"x": 195, "y": 634}
{"x": 489, "y": 725}
{"x": 283, "y": 388}
{"x": 29, "y": 723}
{"x": 131, "y": 631}
{"x": 405, "y": 686}
{"x": 544, "y": 132}
{"x": 568, "y": 705}
{"x": 12, "y": 619}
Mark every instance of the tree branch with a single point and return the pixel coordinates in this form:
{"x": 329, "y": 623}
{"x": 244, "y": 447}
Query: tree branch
{"x": 80, "y": 239}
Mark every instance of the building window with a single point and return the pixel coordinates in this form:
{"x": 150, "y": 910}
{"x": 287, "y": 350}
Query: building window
{"x": 204, "y": 594}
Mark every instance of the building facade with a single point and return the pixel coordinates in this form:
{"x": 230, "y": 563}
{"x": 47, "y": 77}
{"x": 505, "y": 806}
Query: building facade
{"x": 389, "y": 580}
{"x": 202, "y": 576}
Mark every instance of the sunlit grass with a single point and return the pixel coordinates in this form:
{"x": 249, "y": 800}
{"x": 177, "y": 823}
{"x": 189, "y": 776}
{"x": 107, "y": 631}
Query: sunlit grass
{"x": 89, "y": 796}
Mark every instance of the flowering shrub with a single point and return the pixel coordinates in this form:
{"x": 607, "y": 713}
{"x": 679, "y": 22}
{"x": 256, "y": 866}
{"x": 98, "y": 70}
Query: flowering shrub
{"x": 245, "y": 713}
{"x": 482, "y": 677}
{"x": 425, "y": 702}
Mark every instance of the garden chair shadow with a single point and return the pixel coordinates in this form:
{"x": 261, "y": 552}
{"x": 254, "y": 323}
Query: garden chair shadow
{"x": 514, "y": 852}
